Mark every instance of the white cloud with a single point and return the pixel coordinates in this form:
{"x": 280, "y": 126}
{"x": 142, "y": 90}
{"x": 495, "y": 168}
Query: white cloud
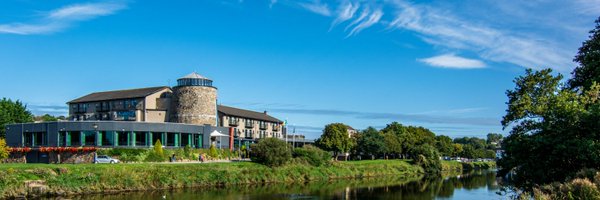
{"x": 345, "y": 13}
{"x": 317, "y": 7}
{"x": 62, "y": 18}
{"x": 373, "y": 19}
{"x": 454, "y": 62}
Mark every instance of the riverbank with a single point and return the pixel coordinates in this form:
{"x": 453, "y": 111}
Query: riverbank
{"x": 21, "y": 180}
{"x": 466, "y": 166}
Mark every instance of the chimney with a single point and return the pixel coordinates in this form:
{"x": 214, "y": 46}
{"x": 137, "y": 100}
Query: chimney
{"x": 265, "y": 112}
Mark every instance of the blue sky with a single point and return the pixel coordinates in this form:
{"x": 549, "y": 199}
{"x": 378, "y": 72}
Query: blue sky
{"x": 444, "y": 65}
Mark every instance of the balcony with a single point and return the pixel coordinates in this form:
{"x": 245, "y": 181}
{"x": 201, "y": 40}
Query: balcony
{"x": 263, "y": 126}
{"x": 234, "y": 122}
{"x": 275, "y": 127}
{"x": 249, "y": 125}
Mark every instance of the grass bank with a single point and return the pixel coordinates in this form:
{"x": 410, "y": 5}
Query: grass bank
{"x": 19, "y": 180}
{"x": 466, "y": 166}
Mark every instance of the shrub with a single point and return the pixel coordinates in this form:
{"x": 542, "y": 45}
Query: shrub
{"x": 3, "y": 149}
{"x": 187, "y": 152}
{"x": 428, "y": 158}
{"x": 271, "y": 152}
{"x": 212, "y": 152}
{"x": 156, "y": 154}
{"x": 313, "y": 155}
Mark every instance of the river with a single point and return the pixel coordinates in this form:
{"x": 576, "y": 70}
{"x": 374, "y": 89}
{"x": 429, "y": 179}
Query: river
{"x": 475, "y": 185}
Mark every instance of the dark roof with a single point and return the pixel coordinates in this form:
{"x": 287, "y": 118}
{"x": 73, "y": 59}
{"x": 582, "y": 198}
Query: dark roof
{"x": 118, "y": 94}
{"x": 246, "y": 114}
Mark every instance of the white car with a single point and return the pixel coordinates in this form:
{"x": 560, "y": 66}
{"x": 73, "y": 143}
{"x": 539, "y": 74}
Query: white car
{"x": 106, "y": 159}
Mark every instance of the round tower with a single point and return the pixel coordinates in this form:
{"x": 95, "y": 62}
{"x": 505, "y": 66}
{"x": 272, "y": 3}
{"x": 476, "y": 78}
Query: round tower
{"x": 194, "y": 101}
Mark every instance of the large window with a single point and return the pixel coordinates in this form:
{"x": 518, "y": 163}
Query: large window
{"x": 123, "y": 138}
{"x": 89, "y": 138}
{"x": 156, "y": 137}
{"x": 75, "y": 138}
{"x": 171, "y": 139}
{"x": 140, "y": 139}
{"x": 185, "y": 140}
{"x": 108, "y": 138}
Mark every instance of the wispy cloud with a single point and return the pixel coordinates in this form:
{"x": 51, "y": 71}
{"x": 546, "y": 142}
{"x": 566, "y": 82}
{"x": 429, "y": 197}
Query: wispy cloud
{"x": 497, "y": 32}
{"x": 317, "y": 7}
{"x": 62, "y": 18}
{"x": 453, "y": 61}
{"x": 373, "y": 18}
{"x": 424, "y": 118}
{"x": 56, "y": 110}
{"x": 345, "y": 12}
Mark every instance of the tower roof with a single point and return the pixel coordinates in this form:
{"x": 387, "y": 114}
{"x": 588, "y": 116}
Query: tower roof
{"x": 194, "y": 75}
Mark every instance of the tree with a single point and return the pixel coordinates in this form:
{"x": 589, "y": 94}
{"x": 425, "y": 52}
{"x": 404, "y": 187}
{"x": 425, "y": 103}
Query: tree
{"x": 4, "y": 151}
{"x": 444, "y": 145}
{"x": 428, "y": 157}
{"x": 588, "y": 58}
{"x": 271, "y": 152}
{"x": 371, "y": 142}
{"x": 46, "y": 118}
{"x": 335, "y": 138}
{"x": 494, "y": 137}
{"x": 457, "y": 149}
{"x": 555, "y": 130}
{"x": 393, "y": 144}
{"x": 11, "y": 113}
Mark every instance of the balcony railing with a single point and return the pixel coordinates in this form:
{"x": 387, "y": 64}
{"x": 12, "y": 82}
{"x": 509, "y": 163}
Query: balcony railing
{"x": 249, "y": 125}
{"x": 263, "y": 126}
{"x": 275, "y": 127}
{"x": 234, "y": 123}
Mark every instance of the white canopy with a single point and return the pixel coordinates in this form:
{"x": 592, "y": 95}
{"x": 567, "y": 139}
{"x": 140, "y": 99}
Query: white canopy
{"x": 216, "y": 133}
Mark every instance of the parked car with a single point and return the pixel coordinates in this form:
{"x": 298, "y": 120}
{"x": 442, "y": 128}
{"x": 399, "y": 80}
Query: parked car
{"x": 106, "y": 159}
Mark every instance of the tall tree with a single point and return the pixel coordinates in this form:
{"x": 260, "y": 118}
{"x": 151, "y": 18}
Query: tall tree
{"x": 393, "y": 144}
{"x": 335, "y": 138}
{"x": 588, "y": 59}
{"x": 555, "y": 131}
{"x": 444, "y": 145}
{"x": 494, "y": 137}
{"x": 12, "y": 112}
{"x": 371, "y": 142}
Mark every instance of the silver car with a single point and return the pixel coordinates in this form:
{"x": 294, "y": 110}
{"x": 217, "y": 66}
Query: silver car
{"x": 106, "y": 159}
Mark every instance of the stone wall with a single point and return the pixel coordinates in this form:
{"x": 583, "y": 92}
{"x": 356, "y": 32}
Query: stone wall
{"x": 15, "y": 157}
{"x": 71, "y": 158}
{"x": 194, "y": 105}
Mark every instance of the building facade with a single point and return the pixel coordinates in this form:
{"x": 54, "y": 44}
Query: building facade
{"x": 186, "y": 114}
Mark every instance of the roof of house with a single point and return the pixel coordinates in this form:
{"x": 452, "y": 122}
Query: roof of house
{"x": 246, "y": 114}
{"x": 193, "y": 75}
{"x": 118, "y": 94}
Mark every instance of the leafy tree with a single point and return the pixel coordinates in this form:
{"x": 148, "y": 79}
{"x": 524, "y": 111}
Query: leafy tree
{"x": 457, "y": 149}
{"x": 444, "y": 145}
{"x": 494, "y": 137}
{"x": 4, "y": 152}
{"x": 271, "y": 152}
{"x": 469, "y": 151}
{"x": 46, "y": 118}
{"x": 428, "y": 157}
{"x": 393, "y": 144}
{"x": 588, "y": 58}
{"x": 371, "y": 142}
{"x": 12, "y": 112}
{"x": 555, "y": 130}
{"x": 335, "y": 138}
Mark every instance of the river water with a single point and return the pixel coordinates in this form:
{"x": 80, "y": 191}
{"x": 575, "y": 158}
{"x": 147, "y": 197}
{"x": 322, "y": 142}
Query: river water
{"x": 476, "y": 185}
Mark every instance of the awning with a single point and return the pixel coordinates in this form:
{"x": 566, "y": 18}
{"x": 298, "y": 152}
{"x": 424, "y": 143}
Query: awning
{"x": 216, "y": 133}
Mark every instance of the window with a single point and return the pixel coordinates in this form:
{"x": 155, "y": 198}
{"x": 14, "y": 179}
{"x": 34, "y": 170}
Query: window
{"x": 89, "y": 138}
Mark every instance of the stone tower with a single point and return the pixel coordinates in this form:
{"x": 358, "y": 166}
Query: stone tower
{"x": 194, "y": 101}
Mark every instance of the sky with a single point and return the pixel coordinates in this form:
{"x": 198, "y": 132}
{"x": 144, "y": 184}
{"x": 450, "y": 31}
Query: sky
{"x": 443, "y": 65}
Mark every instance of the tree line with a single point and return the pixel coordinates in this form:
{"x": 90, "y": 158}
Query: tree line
{"x": 400, "y": 141}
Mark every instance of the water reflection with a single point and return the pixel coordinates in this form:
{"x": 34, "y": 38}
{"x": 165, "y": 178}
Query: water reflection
{"x": 476, "y": 185}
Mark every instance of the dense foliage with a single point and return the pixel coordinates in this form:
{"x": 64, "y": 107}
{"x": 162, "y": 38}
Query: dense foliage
{"x": 312, "y": 155}
{"x": 555, "y": 130}
{"x": 335, "y": 138}
{"x": 588, "y": 59}
{"x": 427, "y": 157}
{"x": 271, "y": 152}
{"x": 3, "y": 149}
{"x": 12, "y": 112}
